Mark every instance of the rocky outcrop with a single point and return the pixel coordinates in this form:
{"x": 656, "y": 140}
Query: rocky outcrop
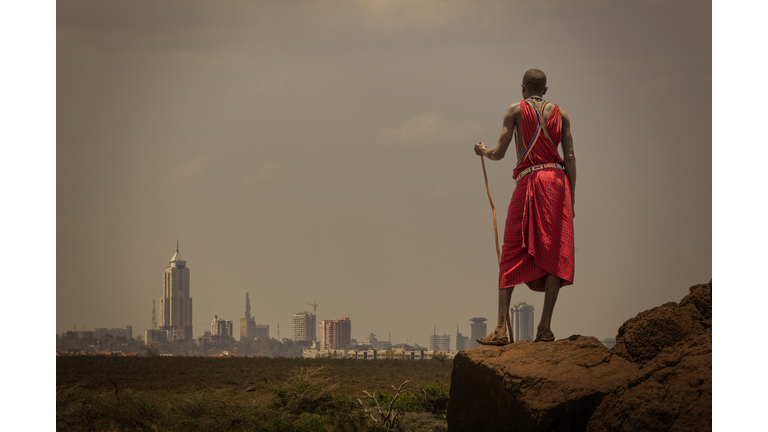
{"x": 658, "y": 376}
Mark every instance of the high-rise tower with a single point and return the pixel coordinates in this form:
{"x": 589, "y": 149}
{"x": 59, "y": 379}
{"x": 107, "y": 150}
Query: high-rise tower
{"x": 522, "y": 321}
{"x": 479, "y": 329}
{"x": 461, "y": 340}
{"x": 247, "y": 324}
{"x": 176, "y": 304}
{"x": 335, "y": 334}
{"x": 303, "y": 326}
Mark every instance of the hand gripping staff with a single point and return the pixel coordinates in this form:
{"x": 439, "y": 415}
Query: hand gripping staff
{"x": 507, "y": 320}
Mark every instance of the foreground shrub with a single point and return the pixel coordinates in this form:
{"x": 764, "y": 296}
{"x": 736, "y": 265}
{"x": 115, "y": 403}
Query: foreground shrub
{"x": 79, "y": 410}
{"x": 429, "y": 398}
{"x": 306, "y": 391}
{"x": 308, "y": 395}
{"x": 433, "y": 399}
{"x": 131, "y": 411}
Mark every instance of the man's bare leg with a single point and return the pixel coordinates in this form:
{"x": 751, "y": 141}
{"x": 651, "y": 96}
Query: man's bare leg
{"x": 551, "y": 289}
{"x": 505, "y": 295}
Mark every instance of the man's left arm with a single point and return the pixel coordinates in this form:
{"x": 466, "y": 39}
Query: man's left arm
{"x": 569, "y": 157}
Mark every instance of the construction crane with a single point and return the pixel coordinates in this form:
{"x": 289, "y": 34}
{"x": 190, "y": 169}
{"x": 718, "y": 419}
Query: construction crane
{"x": 315, "y": 305}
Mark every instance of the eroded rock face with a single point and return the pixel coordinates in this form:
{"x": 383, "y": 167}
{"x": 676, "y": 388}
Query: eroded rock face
{"x": 643, "y": 337}
{"x": 674, "y": 393}
{"x": 534, "y": 386}
{"x": 657, "y": 377}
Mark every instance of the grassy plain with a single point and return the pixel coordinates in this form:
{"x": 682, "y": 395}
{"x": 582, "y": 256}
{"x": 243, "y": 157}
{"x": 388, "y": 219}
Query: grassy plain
{"x": 196, "y": 393}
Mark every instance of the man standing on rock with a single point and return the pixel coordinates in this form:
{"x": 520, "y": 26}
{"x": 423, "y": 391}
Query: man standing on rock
{"x": 538, "y": 236}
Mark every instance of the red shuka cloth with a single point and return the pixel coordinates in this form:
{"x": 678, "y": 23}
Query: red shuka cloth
{"x": 538, "y": 235}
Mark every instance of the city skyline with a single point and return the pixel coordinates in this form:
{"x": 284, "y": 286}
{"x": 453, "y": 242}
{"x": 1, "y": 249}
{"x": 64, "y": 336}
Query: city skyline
{"x": 310, "y": 152}
{"x": 177, "y": 278}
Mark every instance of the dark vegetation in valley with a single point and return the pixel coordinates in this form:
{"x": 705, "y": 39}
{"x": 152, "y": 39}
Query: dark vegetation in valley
{"x": 270, "y": 347}
{"x": 255, "y": 394}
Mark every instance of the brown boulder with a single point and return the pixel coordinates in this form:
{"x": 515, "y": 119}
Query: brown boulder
{"x": 643, "y": 337}
{"x": 534, "y": 386}
{"x": 701, "y": 298}
{"x": 657, "y": 377}
{"x": 674, "y": 393}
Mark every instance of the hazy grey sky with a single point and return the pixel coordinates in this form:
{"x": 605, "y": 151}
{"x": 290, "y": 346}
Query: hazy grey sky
{"x": 322, "y": 151}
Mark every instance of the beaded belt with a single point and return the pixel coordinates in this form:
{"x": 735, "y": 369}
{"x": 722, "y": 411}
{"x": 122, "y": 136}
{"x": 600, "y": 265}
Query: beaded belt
{"x": 536, "y": 168}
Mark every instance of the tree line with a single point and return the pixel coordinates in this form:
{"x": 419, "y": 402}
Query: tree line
{"x": 268, "y": 347}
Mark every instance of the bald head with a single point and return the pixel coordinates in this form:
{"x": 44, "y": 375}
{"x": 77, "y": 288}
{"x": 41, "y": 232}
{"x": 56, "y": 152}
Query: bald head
{"x": 535, "y": 81}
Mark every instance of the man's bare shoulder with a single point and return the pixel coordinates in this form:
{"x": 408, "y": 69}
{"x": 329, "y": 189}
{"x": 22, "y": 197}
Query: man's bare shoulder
{"x": 515, "y": 107}
{"x": 564, "y": 115}
{"x": 513, "y": 110}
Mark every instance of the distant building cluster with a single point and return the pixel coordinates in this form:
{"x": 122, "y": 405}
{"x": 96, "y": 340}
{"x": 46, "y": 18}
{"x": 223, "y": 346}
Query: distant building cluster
{"x": 372, "y": 354}
{"x": 154, "y": 335}
{"x": 126, "y": 332}
{"x": 99, "y": 354}
{"x": 248, "y": 327}
{"x": 521, "y": 315}
{"x": 377, "y": 344}
{"x": 609, "y": 342}
{"x": 221, "y": 327}
{"x": 100, "y": 332}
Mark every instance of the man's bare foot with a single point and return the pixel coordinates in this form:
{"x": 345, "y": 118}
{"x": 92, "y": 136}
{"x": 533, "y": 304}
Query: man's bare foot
{"x": 545, "y": 335}
{"x": 498, "y": 337}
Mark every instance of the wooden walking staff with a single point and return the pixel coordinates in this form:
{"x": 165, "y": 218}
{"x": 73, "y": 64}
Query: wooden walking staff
{"x": 507, "y": 319}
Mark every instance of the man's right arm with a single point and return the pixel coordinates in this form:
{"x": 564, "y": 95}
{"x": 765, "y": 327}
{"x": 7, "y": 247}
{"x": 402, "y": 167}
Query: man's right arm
{"x": 511, "y": 116}
{"x": 569, "y": 157}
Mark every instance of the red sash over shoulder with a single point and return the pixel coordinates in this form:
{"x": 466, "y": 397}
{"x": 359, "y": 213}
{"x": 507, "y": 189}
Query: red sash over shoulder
{"x": 538, "y": 235}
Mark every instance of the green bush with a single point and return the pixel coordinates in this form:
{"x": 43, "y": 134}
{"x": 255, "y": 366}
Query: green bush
{"x": 307, "y": 395}
{"x": 435, "y": 398}
{"x": 430, "y": 398}
{"x": 306, "y": 391}
{"x": 131, "y": 411}
{"x": 79, "y": 410}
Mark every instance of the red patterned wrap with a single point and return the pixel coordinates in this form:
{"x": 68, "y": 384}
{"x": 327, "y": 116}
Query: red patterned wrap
{"x": 538, "y": 235}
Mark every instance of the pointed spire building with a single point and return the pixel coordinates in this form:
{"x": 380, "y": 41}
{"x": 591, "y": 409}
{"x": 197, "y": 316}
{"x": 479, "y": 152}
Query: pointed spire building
{"x": 176, "y": 304}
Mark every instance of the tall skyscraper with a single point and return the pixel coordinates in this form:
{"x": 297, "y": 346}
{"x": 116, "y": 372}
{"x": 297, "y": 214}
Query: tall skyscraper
{"x": 461, "y": 340}
{"x": 176, "y": 304}
{"x": 247, "y": 324}
{"x": 303, "y": 327}
{"x": 335, "y": 334}
{"x": 479, "y": 329}
{"x": 522, "y": 321}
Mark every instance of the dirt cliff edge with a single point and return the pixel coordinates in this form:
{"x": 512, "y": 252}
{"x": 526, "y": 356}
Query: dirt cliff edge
{"x": 658, "y": 376}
